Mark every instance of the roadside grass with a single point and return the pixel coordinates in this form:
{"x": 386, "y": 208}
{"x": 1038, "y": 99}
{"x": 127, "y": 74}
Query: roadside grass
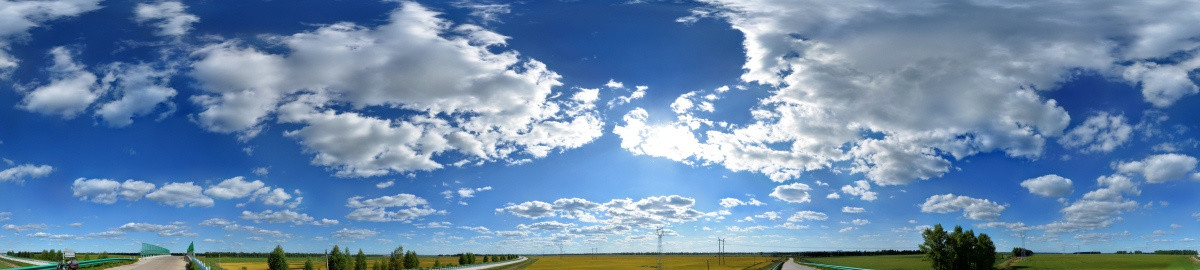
{"x": 11, "y": 263}
{"x": 696, "y": 262}
{"x": 107, "y": 265}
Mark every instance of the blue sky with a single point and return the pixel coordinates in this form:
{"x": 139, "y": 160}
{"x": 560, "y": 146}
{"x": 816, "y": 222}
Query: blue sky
{"x": 521, "y": 127}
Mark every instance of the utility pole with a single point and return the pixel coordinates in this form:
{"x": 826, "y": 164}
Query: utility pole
{"x": 659, "y": 232}
{"x": 720, "y": 251}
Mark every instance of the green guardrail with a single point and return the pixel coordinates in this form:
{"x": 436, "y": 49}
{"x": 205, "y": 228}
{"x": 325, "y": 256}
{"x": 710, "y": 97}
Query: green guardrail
{"x": 81, "y": 264}
{"x": 839, "y": 267}
{"x": 776, "y": 266}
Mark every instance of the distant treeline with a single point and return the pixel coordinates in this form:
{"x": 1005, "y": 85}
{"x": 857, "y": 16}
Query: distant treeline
{"x": 55, "y": 255}
{"x": 773, "y": 254}
{"x": 301, "y": 255}
{"x": 857, "y": 253}
{"x": 257, "y": 254}
{"x": 1176, "y": 252}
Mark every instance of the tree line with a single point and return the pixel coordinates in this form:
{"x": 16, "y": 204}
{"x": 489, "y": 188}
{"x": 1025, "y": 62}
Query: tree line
{"x": 958, "y": 250}
{"x": 1021, "y": 252}
{"x": 1176, "y": 252}
{"x": 340, "y": 259}
{"x": 841, "y": 253}
{"x": 472, "y": 258}
{"x": 45, "y": 255}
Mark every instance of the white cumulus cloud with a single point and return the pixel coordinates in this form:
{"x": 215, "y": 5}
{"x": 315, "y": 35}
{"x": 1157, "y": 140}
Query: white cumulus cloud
{"x": 170, "y": 17}
{"x": 467, "y": 101}
{"x": 105, "y": 191}
{"x": 972, "y": 208}
{"x": 792, "y": 193}
{"x": 20, "y": 173}
{"x": 180, "y": 195}
{"x": 21, "y": 16}
{"x": 1160, "y": 168}
{"x": 1050, "y": 185}
{"x": 1099, "y": 133}
{"x": 862, "y": 189}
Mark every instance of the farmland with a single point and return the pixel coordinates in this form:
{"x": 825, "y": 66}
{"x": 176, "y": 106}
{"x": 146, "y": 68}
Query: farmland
{"x": 260, "y": 263}
{"x": 882, "y": 262}
{"x": 585, "y": 262}
{"x": 1107, "y": 261}
{"x": 1040, "y": 261}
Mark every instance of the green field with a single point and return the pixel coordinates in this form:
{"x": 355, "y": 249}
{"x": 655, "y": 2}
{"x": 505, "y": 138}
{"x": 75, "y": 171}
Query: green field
{"x": 882, "y": 262}
{"x": 604, "y": 262}
{"x": 1107, "y": 261}
{"x": 1040, "y": 261}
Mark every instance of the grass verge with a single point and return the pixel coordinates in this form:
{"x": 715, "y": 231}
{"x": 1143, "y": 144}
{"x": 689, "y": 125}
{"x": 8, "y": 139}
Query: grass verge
{"x": 7, "y": 263}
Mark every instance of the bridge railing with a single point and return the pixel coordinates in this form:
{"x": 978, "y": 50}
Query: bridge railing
{"x": 81, "y": 264}
{"x": 197, "y": 262}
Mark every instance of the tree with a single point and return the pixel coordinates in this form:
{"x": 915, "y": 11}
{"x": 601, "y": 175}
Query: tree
{"x": 958, "y": 250}
{"x": 964, "y": 244}
{"x": 1022, "y": 252}
{"x": 437, "y": 263}
{"x": 308, "y": 265}
{"x": 935, "y": 247}
{"x": 485, "y": 259}
{"x": 462, "y": 259}
{"x": 347, "y": 264}
{"x": 411, "y": 260}
{"x": 396, "y": 260}
{"x": 335, "y": 259}
{"x": 985, "y": 252}
{"x": 375, "y": 266}
{"x": 360, "y": 260}
{"x": 277, "y": 260}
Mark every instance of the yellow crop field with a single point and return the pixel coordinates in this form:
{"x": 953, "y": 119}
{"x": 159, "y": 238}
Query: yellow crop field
{"x": 695, "y": 262}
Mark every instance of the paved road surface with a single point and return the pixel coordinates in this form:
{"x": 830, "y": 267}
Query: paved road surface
{"x": 480, "y": 267}
{"x": 791, "y": 265}
{"x": 24, "y": 260}
{"x": 163, "y": 262}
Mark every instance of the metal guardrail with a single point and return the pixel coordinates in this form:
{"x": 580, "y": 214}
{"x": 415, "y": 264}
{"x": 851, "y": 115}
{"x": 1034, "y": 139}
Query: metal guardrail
{"x": 839, "y": 267}
{"x": 777, "y": 265}
{"x": 81, "y": 264}
{"x": 197, "y": 262}
{"x": 480, "y": 264}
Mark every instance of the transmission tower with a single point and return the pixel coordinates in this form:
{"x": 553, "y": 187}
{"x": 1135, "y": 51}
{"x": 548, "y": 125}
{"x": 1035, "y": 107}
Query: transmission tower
{"x": 1023, "y": 250}
{"x": 659, "y": 232}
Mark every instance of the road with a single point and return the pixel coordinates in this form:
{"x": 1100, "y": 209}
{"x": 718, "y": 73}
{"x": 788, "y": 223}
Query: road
{"x": 481, "y": 267}
{"x": 791, "y": 265}
{"x": 155, "y": 263}
{"x": 24, "y": 260}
